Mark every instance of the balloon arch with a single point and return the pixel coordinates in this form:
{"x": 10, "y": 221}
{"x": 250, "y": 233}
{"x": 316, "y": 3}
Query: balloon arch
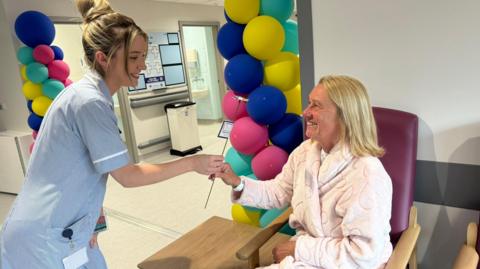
{"x": 260, "y": 43}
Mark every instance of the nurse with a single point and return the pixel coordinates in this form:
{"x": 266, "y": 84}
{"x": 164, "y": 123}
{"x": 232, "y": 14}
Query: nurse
{"x": 53, "y": 218}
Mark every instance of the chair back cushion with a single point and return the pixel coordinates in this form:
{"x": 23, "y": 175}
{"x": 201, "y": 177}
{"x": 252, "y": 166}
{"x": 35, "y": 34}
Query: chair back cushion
{"x": 397, "y": 134}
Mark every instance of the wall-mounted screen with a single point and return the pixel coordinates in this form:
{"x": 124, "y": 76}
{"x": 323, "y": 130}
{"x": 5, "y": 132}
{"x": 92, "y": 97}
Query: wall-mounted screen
{"x": 170, "y": 54}
{"x": 174, "y": 74}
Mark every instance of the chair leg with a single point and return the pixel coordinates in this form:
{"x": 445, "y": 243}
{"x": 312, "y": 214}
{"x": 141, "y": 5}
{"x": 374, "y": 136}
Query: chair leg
{"x": 412, "y": 262}
{"x": 254, "y": 260}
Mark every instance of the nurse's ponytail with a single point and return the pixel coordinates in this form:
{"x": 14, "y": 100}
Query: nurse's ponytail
{"x": 105, "y": 30}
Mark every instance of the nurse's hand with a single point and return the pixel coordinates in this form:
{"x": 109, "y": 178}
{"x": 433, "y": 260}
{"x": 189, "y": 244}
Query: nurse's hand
{"x": 93, "y": 241}
{"x": 228, "y": 176}
{"x": 207, "y": 164}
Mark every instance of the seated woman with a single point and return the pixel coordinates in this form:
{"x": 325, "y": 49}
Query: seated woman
{"x": 339, "y": 191}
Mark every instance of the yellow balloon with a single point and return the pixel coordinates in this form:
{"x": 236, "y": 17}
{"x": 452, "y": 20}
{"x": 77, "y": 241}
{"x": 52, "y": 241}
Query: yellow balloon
{"x": 294, "y": 100}
{"x": 242, "y": 11}
{"x": 40, "y": 105}
{"x": 263, "y": 37}
{"x": 282, "y": 71}
{"x": 23, "y": 72}
{"x": 243, "y": 215}
{"x": 31, "y": 90}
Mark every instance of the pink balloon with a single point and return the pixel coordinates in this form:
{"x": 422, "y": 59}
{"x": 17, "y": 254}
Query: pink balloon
{"x": 233, "y": 107}
{"x": 30, "y": 148}
{"x": 67, "y": 82}
{"x": 247, "y": 136}
{"x": 43, "y": 54}
{"x": 34, "y": 134}
{"x": 58, "y": 70}
{"x": 269, "y": 162}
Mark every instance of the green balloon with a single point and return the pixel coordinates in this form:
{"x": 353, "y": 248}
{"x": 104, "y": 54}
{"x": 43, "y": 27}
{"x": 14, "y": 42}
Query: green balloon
{"x": 25, "y": 55}
{"x": 291, "y": 37}
{"x": 52, "y": 87}
{"x": 240, "y": 163}
{"x": 37, "y": 72}
{"x": 279, "y": 9}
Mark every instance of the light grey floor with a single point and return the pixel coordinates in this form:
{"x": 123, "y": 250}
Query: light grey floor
{"x": 143, "y": 220}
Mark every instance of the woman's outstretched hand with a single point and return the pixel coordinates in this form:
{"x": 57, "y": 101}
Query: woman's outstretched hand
{"x": 207, "y": 164}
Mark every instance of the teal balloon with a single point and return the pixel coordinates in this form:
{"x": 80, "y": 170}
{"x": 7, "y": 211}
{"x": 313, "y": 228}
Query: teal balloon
{"x": 25, "y": 55}
{"x": 52, "y": 87}
{"x": 37, "y": 72}
{"x": 286, "y": 229}
{"x": 279, "y": 9}
{"x": 240, "y": 163}
{"x": 270, "y": 215}
{"x": 291, "y": 36}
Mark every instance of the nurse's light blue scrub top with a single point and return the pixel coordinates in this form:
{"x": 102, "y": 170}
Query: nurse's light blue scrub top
{"x": 77, "y": 146}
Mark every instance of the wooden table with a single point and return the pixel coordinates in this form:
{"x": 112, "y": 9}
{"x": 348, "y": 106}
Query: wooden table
{"x": 211, "y": 245}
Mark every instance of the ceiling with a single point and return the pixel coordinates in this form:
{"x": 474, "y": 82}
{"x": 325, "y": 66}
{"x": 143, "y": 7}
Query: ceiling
{"x": 198, "y": 2}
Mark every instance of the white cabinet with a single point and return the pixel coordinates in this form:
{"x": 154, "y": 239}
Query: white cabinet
{"x": 14, "y": 158}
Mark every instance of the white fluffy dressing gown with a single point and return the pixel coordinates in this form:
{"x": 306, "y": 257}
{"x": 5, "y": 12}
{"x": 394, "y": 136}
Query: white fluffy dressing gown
{"x": 341, "y": 207}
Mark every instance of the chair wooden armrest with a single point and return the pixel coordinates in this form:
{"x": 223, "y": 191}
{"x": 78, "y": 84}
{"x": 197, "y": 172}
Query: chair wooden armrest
{"x": 468, "y": 257}
{"x": 404, "y": 251}
{"x": 250, "y": 251}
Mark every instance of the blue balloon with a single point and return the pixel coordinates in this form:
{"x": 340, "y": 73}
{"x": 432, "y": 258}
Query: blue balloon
{"x": 226, "y": 16}
{"x": 230, "y": 40}
{"x": 243, "y": 73}
{"x": 34, "y": 28}
{"x": 240, "y": 163}
{"x": 34, "y": 121}
{"x": 287, "y": 133}
{"x": 291, "y": 36}
{"x": 25, "y": 55}
{"x": 279, "y": 9}
{"x": 58, "y": 52}
{"x": 266, "y": 105}
{"x": 29, "y": 106}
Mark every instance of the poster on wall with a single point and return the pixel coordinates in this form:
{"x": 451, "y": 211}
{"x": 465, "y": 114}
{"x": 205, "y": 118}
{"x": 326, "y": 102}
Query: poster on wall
{"x": 164, "y": 63}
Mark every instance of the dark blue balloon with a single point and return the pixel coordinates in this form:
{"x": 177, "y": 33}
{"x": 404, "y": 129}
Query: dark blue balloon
{"x": 287, "y": 133}
{"x": 266, "y": 105}
{"x": 58, "y": 52}
{"x": 243, "y": 73}
{"x": 226, "y": 16}
{"x": 34, "y": 28}
{"x": 230, "y": 40}
{"x": 34, "y": 121}
{"x": 29, "y": 105}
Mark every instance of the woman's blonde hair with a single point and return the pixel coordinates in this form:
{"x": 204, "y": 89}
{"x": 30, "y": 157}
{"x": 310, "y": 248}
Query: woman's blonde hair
{"x": 105, "y": 30}
{"x": 358, "y": 128}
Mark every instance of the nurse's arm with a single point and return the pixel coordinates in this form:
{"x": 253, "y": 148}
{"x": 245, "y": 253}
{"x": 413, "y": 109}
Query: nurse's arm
{"x": 135, "y": 175}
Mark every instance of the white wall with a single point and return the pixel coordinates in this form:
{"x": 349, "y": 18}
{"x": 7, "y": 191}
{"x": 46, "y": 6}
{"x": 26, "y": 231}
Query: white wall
{"x": 422, "y": 57}
{"x": 150, "y": 15}
{"x": 418, "y": 56}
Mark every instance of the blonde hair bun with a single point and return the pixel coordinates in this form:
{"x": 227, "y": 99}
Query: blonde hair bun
{"x": 92, "y": 9}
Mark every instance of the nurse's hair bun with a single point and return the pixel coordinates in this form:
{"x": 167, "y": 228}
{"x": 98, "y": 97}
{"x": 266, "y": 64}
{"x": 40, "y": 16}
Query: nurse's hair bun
{"x": 93, "y": 9}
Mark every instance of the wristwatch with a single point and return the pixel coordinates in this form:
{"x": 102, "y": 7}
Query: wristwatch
{"x": 240, "y": 186}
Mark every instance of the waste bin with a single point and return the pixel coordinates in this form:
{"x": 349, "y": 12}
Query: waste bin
{"x": 183, "y": 127}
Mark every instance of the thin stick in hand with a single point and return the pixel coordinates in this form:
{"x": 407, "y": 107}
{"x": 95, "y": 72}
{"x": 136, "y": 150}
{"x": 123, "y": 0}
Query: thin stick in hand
{"x": 212, "y": 177}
